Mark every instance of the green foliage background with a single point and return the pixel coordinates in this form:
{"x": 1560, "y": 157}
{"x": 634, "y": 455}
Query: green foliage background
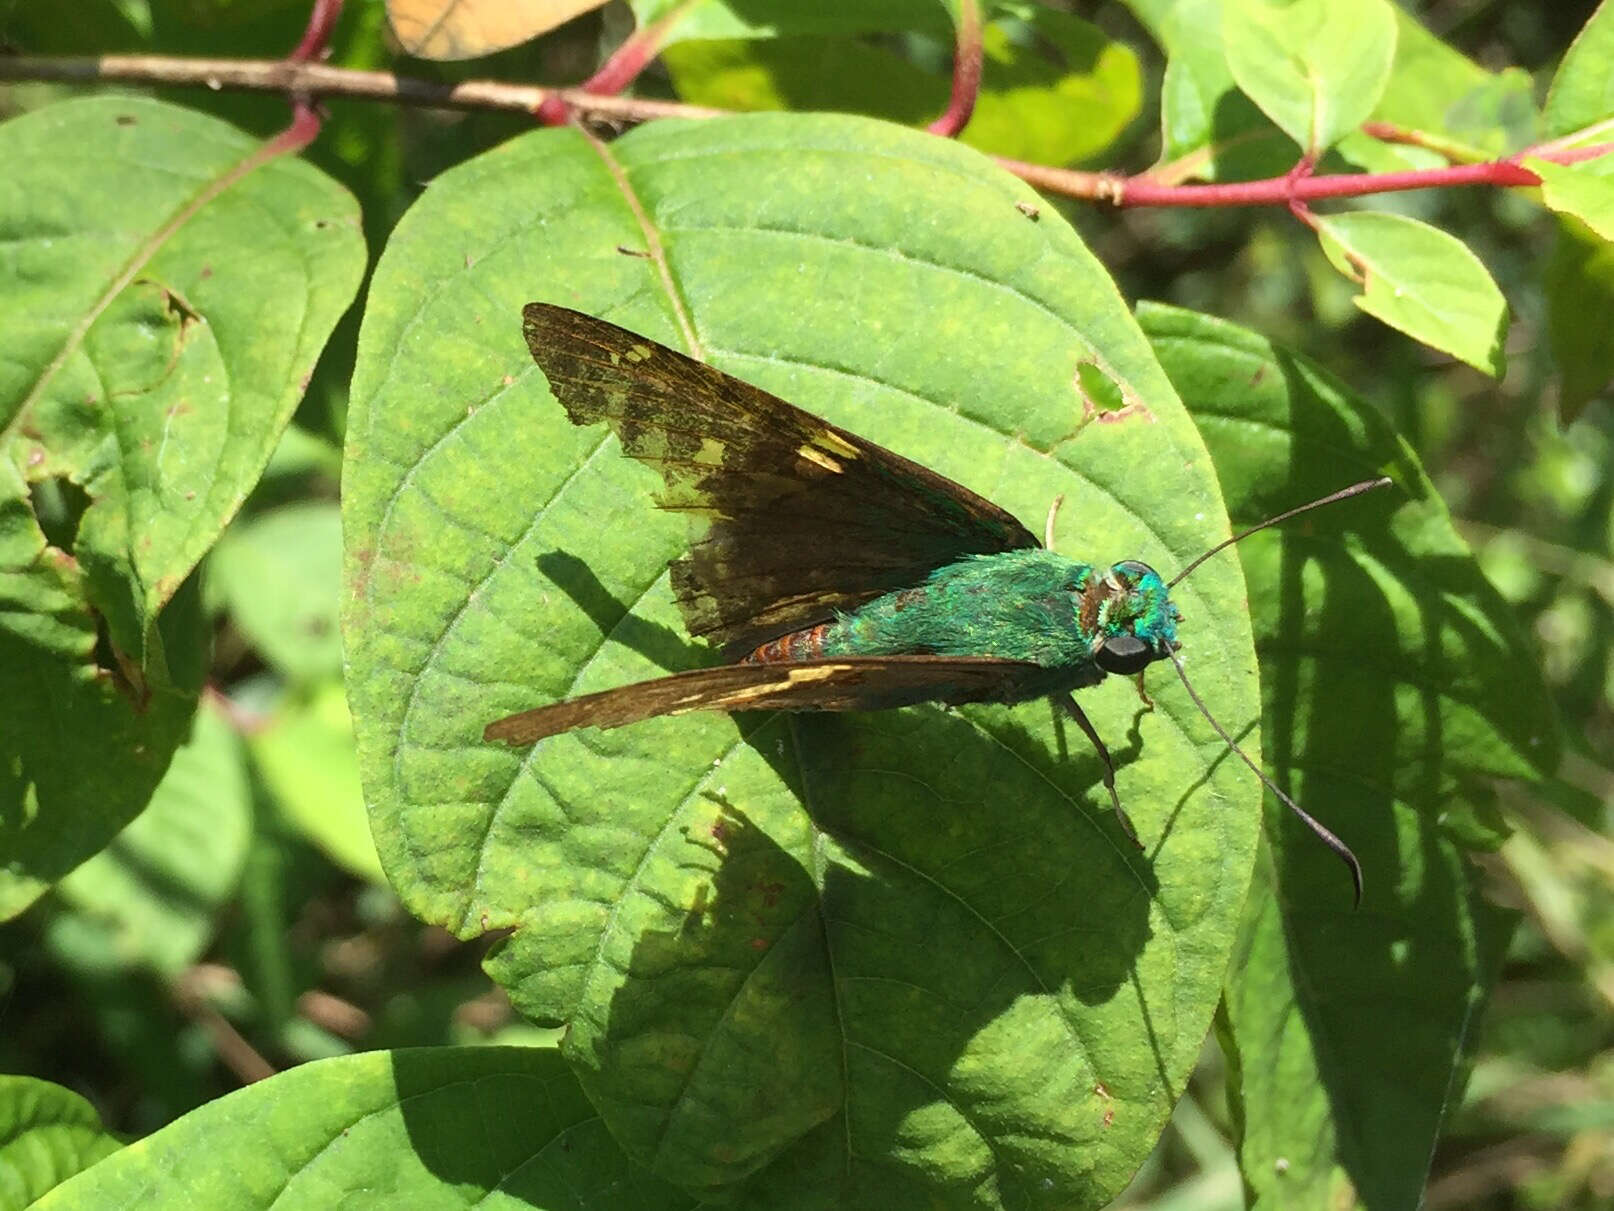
{"x": 888, "y": 961}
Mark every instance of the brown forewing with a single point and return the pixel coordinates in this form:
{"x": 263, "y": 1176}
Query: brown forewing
{"x": 856, "y": 684}
{"x": 805, "y": 518}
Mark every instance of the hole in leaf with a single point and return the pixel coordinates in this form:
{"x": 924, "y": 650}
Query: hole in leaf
{"x": 59, "y": 506}
{"x": 1101, "y": 391}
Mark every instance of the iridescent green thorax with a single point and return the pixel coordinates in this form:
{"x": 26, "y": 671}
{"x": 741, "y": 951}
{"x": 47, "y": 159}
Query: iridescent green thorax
{"x": 1026, "y": 605}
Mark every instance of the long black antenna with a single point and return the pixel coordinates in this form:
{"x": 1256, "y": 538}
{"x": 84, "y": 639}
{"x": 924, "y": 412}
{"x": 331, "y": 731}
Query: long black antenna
{"x": 1367, "y": 485}
{"x": 1316, "y": 826}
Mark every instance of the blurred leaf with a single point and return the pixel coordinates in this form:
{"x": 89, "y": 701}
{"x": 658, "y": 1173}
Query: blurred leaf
{"x": 861, "y": 948}
{"x": 150, "y": 897}
{"x": 168, "y": 287}
{"x": 280, "y": 574}
{"x": 1054, "y": 90}
{"x": 466, "y": 29}
{"x": 423, "y": 1128}
{"x": 1435, "y": 89}
{"x": 1578, "y": 190}
{"x": 1315, "y": 67}
{"x": 1582, "y": 92}
{"x": 1394, "y": 678}
{"x": 306, "y": 757}
{"x": 749, "y": 19}
{"x": 47, "y": 1134}
{"x": 1421, "y": 281}
{"x": 35, "y": 27}
{"x": 805, "y": 72}
{"x": 1579, "y": 282}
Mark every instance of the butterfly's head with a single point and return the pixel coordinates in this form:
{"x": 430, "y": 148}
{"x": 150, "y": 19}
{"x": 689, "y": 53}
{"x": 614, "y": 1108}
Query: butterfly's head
{"x": 1136, "y": 623}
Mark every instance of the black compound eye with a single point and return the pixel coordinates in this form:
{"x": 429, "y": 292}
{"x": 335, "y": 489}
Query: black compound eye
{"x": 1124, "y": 654}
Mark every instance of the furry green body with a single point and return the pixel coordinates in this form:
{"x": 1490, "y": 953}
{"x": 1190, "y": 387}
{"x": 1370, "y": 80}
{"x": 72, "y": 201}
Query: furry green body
{"x": 1029, "y": 605}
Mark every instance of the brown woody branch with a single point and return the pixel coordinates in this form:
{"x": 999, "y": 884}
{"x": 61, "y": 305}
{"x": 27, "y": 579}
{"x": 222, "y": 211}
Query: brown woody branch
{"x": 322, "y": 80}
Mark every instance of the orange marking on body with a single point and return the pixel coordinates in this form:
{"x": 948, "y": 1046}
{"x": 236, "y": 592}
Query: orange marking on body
{"x": 806, "y": 644}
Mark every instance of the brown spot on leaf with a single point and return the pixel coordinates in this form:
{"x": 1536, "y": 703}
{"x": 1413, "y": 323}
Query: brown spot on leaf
{"x": 125, "y": 119}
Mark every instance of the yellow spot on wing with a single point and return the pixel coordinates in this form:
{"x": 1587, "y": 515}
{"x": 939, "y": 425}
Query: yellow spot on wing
{"x": 638, "y": 353}
{"x": 835, "y": 444}
{"x": 818, "y": 672}
{"x": 711, "y": 452}
{"x": 814, "y": 455}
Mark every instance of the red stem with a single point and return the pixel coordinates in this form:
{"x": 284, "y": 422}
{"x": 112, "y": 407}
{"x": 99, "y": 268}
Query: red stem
{"x": 322, "y": 17}
{"x": 966, "y": 73}
{"x": 1290, "y": 189}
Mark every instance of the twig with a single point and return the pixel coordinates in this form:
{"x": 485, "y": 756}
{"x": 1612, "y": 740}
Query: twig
{"x": 190, "y": 994}
{"x": 323, "y": 80}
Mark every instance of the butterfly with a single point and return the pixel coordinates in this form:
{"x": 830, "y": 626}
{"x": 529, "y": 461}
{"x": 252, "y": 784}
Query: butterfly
{"x": 836, "y": 575}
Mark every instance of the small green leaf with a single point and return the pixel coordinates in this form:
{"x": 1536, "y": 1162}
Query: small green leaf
{"x": 860, "y": 947}
{"x": 1315, "y": 67}
{"x": 1396, "y": 684}
{"x": 1579, "y": 191}
{"x": 149, "y": 898}
{"x": 47, "y": 1134}
{"x": 503, "y": 1128}
{"x": 1582, "y": 93}
{"x": 306, "y": 759}
{"x": 279, "y": 574}
{"x": 1421, "y": 281}
{"x": 1579, "y": 282}
{"x": 1202, "y": 112}
{"x": 168, "y": 287}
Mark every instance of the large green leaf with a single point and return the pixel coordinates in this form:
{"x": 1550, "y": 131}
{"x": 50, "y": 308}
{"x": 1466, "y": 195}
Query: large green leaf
{"x": 167, "y": 286}
{"x": 1395, "y": 683}
{"x": 1582, "y": 92}
{"x": 1418, "y": 279}
{"x": 908, "y": 958}
{"x": 442, "y": 1127}
{"x": 1315, "y": 67}
{"x": 47, "y": 1134}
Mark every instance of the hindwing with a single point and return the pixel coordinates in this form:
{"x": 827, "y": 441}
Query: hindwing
{"x": 863, "y": 683}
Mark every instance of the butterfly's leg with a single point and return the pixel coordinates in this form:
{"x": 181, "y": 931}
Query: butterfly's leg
{"x": 1053, "y": 516}
{"x": 1148, "y": 702}
{"x": 1082, "y": 721}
